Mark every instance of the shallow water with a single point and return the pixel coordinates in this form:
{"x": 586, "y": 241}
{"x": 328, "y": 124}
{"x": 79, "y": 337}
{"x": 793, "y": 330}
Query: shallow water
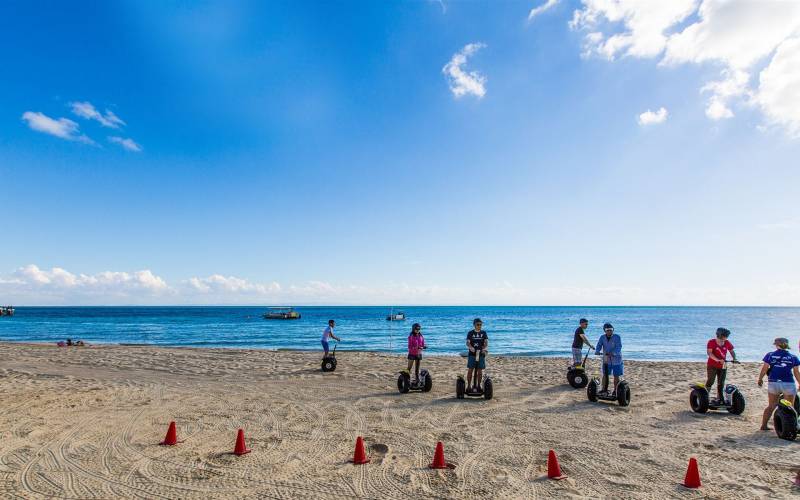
{"x": 656, "y": 333}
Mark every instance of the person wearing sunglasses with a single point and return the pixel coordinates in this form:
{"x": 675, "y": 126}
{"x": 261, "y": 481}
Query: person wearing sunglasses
{"x": 610, "y": 346}
{"x": 416, "y": 343}
{"x": 781, "y": 366}
{"x": 478, "y": 345}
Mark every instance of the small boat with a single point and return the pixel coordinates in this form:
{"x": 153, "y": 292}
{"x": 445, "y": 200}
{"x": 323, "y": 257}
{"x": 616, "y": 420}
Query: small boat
{"x": 281, "y": 313}
{"x": 396, "y": 316}
{"x": 6, "y": 311}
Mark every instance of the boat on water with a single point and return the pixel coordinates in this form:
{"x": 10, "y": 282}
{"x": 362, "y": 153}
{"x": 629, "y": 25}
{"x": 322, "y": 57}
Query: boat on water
{"x": 6, "y": 311}
{"x": 281, "y": 313}
{"x": 396, "y": 316}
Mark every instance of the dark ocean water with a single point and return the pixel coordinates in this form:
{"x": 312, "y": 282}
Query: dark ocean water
{"x": 666, "y": 333}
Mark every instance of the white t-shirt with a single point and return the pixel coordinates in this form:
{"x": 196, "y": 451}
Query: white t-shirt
{"x": 327, "y": 332}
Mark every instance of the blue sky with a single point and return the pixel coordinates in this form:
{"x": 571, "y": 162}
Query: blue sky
{"x": 399, "y": 152}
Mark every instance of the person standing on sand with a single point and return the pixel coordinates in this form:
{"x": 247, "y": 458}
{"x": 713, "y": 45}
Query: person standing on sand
{"x": 328, "y": 333}
{"x": 717, "y": 350}
{"x": 610, "y": 345}
{"x": 416, "y": 343}
{"x": 478, "y": 345}
{"x": 781, "y": 365}
{"x": 578, "y": 340}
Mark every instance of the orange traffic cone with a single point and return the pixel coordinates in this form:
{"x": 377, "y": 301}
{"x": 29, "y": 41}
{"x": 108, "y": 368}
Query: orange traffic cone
{"x": 240, "y": 448}
{"x": 171, "y": 439}
{"x": 553, "y": 468}
{"x": 438, "y": 458}
{"x": 692, "y": 479}
{"x": 360, "y": 456}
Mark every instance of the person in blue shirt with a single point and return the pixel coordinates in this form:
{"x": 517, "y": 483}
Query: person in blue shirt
{"x": 782, "y": 368}
{"x": 610, "y": 345}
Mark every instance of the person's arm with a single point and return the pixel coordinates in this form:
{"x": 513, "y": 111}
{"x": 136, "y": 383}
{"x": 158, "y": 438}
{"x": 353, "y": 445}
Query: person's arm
{"x": 486, "y": 344}
{"x": 599, "y": 347}
{"x": 469, "y": 346}
{"x": 712, "y": 356}
{"x": 587, "y": 341}
{"x": 764, "y": 369}
{"x": 796, "y": 371}
{"x": 733, "y": 357}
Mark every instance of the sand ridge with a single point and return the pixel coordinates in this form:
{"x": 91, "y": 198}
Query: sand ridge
{"x": 86, "y": 423}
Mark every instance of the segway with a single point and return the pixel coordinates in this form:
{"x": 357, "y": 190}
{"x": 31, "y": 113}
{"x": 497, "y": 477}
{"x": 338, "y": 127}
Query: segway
{"x": 329, "y": 361}
{"x": 423, "y": 384}
{"x": 785, "y": 419}
{"x": 622, "y": 395}
{"x": 485, "y": 390}
{"x": 576, "y": 374}
{"x": 733, "y": 399}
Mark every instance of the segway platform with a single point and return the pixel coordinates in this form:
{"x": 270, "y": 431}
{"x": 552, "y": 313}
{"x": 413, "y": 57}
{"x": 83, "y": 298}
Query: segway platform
{"x": 622, "y": 396}
{"x": 700, "y": 401}
{"x": 486, "y": 391}
{"x": 785, "y": 419}
{"x": 405, "y": 384}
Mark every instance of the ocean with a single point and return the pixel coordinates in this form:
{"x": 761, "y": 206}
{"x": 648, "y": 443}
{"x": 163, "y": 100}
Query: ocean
{"x": 650, "y": 333}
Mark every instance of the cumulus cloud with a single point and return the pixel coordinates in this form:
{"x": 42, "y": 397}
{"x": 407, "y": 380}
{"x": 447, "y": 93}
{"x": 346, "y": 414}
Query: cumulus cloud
{"x": 737, "y": 36}
{"x": 653, "y": 117}
{"x": 63, "y": 128}
{"x": 549, "y": 4}
{"x": 461, "y": 81}
{"x": 217, "y": 283}
{"x": 126, "y": 143}
{"x": 88, "y": 111}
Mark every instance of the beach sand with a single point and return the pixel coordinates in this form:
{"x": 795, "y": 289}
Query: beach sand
{"x": 86, "y": 423}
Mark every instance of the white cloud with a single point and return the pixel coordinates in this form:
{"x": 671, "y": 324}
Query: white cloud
{"x": 126, "y": 143}
{"x": 780, "y": 225}
{"x": 88, "y": 111}
{"x": 736, "y": 35}
{"x": 461, "y": 81}
{"x": 653, "y": 117}
{"x": 778, "y": 93}
{"x": 63, "y": 128}
{"x": 31, "y": 285}
{"x": 549, "y": 4}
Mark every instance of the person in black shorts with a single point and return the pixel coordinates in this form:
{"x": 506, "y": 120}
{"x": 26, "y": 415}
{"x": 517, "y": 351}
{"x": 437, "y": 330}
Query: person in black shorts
{"x": 578, "y": 340}
{"x": 478, "y": 345}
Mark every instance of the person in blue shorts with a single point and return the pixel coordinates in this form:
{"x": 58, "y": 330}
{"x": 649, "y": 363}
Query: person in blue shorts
{"x": 610, "y": 345}
{"x": 477, "y": 342}
{"x": 326, "y": 334}
{"x": 782, "y": 368}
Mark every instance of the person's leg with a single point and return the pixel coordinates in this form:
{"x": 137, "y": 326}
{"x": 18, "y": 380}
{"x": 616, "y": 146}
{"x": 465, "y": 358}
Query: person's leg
{"x": 470, "y": 367}
{"x": 721, "y": 374}
{"x": 325, "y": 348}
{"x": 616, "y": 382}
{"x": 712, "y": 374}
{"x": 577, "y": 356}
{"x": 606, "y": 369}
{"x": 416, "y": 368}
{"x": 410, "y": 362}
{"x": 773, "y": 403}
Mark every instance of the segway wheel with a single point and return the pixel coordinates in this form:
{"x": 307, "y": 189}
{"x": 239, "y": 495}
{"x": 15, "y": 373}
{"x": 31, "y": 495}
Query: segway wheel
{"x": 698, "y": 400}
{"x": 428, "y": 385}
{"x": 577, "y": 378}
{"x": 403, "y": 384}
{"x": 738, "y": 403}
{"x": 488, "y": 389}
{"x": 461, "y": 387}
{"x": 785, "y": 421}
{"x": 328, "y": 364}
{"x": 591, "y": 390}
{"x": 623, "y": 394}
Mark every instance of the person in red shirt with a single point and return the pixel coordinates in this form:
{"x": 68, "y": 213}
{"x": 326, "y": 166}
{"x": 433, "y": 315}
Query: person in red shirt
{"x": 718, "y": 349}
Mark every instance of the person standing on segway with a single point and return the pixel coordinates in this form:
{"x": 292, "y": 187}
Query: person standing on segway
{"x": 477, "y": 342}
{"x": 782, "y": 367}
{"x": 610, "y": 345}
{"x": 717, "y": 350}
{"x": 416, "y": 343}
{"x": 328, "y": 333}
{"x": 578, "y": 340}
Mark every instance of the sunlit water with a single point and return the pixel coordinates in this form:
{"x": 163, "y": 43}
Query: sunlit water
{"x": 673, "y": 333}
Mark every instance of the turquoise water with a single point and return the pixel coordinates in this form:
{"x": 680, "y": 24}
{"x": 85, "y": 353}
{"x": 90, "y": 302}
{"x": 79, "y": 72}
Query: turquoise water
{"x": 666, "y": 333}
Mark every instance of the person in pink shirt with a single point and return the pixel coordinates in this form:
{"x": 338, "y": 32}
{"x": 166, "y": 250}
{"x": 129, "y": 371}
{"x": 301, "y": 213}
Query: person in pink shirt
{"x": 416, "y": 343}
{"x": 717, "y": 349}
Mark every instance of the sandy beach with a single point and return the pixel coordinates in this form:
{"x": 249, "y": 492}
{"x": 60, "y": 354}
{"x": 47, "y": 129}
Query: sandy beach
{"x": 86, "y": 423}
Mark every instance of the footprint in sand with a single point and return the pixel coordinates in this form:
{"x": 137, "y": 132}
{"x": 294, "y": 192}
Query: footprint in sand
{"x": 377, "y": 452}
